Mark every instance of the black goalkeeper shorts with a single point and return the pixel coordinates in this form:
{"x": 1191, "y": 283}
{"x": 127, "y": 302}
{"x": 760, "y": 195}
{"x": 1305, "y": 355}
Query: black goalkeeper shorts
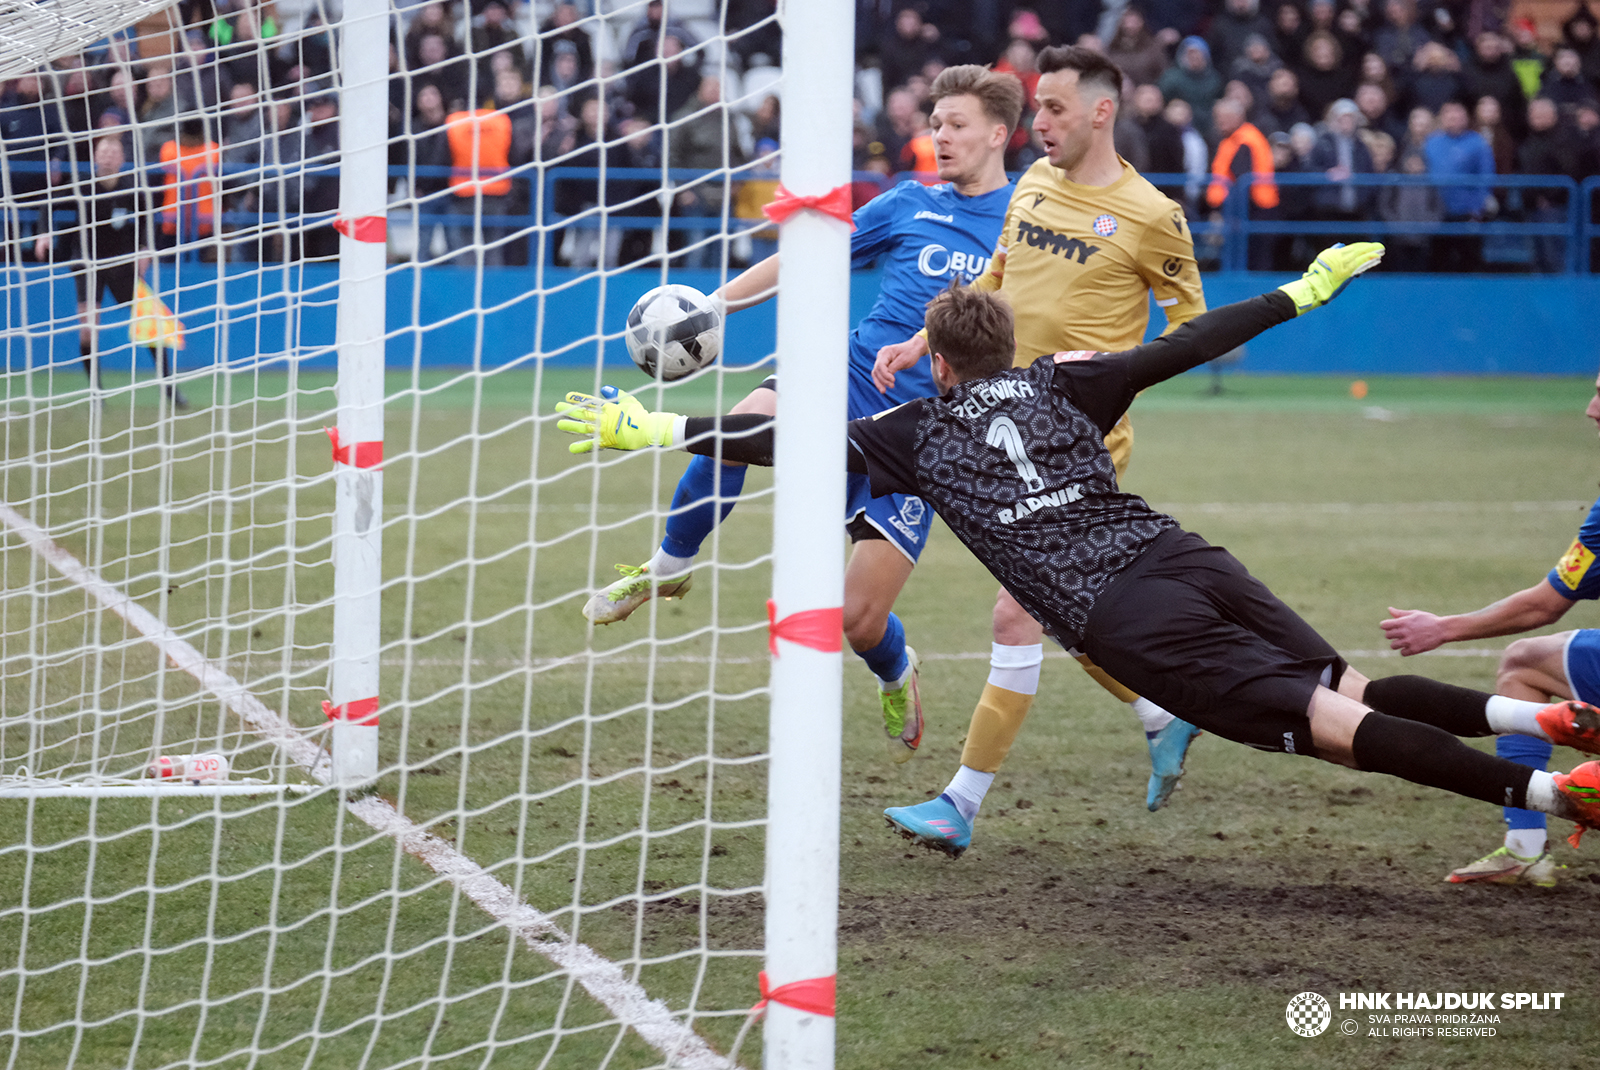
{"x": 1189, "y": 628}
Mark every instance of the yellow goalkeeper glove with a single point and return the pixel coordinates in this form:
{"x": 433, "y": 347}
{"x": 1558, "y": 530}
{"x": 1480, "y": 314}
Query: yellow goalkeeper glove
{"x": 1330, "y": 273}
{"x": 614, "y": 421}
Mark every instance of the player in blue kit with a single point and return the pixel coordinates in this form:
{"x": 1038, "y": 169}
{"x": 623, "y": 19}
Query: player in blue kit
{"x": 1561, "y": 666}
{"x": 926, "y": 238}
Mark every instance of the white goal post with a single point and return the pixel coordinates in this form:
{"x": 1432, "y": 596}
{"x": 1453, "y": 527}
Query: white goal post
{"x": 310, "y": 757}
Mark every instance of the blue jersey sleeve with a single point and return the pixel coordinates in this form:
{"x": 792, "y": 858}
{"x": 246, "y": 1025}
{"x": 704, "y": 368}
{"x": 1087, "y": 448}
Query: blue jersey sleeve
{"x": 874, "y": 228}
{"x": 1575, "y": 576}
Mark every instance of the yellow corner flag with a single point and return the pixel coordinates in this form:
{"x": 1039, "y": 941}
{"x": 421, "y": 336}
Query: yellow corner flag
{"x": 153, "y": 323}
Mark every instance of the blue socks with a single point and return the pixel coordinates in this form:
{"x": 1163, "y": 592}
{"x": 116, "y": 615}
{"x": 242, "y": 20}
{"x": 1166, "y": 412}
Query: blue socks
{"x": 1525, "y": 750}
{"x": 694, "y": 511}
{"x": 888, "y": 660}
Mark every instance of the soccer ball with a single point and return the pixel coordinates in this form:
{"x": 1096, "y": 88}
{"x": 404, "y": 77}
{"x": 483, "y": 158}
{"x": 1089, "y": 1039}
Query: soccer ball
{"x": 673, "y": 331}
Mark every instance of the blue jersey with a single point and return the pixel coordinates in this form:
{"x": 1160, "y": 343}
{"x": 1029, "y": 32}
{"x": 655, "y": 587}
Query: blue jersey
{"x": 1575, "y": 576}
{"x": 925, "y": 236}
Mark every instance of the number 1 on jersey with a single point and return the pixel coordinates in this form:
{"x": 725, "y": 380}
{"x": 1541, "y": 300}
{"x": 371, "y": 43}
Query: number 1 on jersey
{"x": 1003, "y": 433}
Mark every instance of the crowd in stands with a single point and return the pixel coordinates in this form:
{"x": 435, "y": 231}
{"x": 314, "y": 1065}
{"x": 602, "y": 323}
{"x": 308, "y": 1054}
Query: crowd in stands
{"x": 485, "y": 94}
{"x": 1459, "y": 90}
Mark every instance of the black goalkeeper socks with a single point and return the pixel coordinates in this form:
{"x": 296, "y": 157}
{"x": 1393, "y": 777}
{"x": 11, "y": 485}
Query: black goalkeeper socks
{"x": 1425, "y": 754}
{"x": 1460, "y": 711}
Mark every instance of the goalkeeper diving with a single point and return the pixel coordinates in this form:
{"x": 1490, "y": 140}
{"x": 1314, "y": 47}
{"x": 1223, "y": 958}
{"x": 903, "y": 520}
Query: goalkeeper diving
{"x": 1157, "y": 606}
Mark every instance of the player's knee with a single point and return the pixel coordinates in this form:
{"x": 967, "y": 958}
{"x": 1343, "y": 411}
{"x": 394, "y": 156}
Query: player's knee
{"x": 1012, "y": 624}
{"x": 864, "y": 622}
{"x": 1520, "y": 666}
{"x": 761, "y": 400}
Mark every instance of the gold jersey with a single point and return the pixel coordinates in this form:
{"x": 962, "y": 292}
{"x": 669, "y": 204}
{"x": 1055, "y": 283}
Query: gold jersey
{"x": 1076, "y": 262}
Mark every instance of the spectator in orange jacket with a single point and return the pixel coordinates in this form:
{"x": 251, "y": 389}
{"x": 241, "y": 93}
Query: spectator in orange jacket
{"x": 190, "y": 166}
{"x": 1243, "y": 150}
{"x": 480, "y": 162}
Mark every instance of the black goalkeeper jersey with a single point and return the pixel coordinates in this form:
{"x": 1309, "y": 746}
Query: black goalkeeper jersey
{"x": 1016, "y": 465}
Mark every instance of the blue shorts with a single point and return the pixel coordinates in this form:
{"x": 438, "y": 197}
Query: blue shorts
{"x": 904, "y": 519}
{"x": 1582, "y": 663}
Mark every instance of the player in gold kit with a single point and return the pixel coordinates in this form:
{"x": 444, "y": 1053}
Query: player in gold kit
{"x": 1086, "y": 243}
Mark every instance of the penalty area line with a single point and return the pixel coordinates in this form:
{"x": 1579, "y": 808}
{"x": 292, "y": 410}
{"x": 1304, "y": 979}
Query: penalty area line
{"x": 603, "y": 979}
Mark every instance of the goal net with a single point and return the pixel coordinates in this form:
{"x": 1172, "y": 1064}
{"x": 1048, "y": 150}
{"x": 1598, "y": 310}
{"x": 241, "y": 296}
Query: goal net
{"x": 312, "y": 758}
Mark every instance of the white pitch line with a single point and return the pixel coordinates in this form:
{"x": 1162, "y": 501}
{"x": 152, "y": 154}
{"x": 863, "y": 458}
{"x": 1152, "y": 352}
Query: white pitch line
{"x": 600, "y": 977}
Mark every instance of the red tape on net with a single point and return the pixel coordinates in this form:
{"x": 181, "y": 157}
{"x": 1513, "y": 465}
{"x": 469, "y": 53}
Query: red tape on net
{"x": 363, "y": 711}
{"x": 355, "y": 454}
{"x": 368, "y": 228}
{"x": 819, "y": 629}
{"x": 836, "y": 202}
{"x": 815, "y": 995}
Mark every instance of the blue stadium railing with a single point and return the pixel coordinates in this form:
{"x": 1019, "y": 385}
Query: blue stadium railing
{"x": 1236, "y": 225}
{"x": 1222, "y": 236}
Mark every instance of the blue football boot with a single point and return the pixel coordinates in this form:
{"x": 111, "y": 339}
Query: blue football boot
{"x": 1168, "y": 749}
{"x": 935, "y": 824}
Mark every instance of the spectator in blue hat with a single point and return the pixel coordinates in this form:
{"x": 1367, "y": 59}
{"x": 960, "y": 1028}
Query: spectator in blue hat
{"x": 1194, "y": 80}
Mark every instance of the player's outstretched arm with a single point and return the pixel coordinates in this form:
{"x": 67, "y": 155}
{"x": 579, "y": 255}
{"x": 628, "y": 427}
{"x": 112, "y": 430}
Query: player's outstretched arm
{"x": 1415, "y": 631}
{"x": 750, "y": 287}
{"x": 617, "y": 421}
{"x": 1214, "y": 333}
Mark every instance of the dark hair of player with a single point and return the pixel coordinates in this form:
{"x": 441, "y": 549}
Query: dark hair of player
{"x": 1092, "y": 67}
{"x": 972, "y": 330}
{"x": 999, "y": 93}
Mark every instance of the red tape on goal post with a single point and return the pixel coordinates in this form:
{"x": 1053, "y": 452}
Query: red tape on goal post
{"x": 368, "y": 228}
{"x": 355, "y": 454}
{"x": 819, "y": 629}
{"x": 815, "y": 995}
{"x": 836, "y": 202}
{"x": 363, "y": 711}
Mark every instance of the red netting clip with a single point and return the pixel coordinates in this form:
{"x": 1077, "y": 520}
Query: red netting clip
{"x": 836, "y": 202}
{"x": 368, "y": 228}
{"x": 355, "y": 454}
{"x": 363, "y": 711}
{"x": 815, "y": 995}
{"x": 819, "y": 629}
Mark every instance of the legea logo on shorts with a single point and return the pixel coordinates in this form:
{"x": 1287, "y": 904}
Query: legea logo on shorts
{"x": 936, "y": 262}
{"x": 1308, "y": 1014}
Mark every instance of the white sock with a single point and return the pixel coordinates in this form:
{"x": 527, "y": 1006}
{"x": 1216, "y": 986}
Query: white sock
{"x": 664, "y": 566}
{"x": 1153, "y": 717}
{"x": 1543, "y": 796}
{"x": 967, "y": 789}
{"x": 1509, "y": 716}
{"x": 1526, "y": 843}
{"x": 1016, "y": 668}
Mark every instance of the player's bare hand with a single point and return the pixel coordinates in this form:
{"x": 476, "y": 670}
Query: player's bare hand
{"x": 41, "y": 247}
{"x": 1413, "y": 631}
{"x": 897, "y": 358}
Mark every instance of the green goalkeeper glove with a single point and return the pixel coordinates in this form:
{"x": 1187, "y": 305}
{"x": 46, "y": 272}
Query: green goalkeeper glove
{"x": 1330, "y": 273}
{"x": 614, "y": 421}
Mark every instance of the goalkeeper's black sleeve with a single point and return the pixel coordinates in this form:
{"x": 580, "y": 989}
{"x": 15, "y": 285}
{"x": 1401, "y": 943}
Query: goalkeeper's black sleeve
{"x": 745, "y": 438}
{"x": 1103, "y": 387}
{"x": 1206, "y": 337}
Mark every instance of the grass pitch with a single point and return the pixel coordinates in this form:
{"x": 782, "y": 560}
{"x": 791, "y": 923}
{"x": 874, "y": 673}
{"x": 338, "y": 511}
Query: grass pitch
{"x": 1080, "y": 930}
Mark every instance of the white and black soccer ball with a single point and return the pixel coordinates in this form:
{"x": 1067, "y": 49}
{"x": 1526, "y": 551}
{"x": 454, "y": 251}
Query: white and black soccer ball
{"x": 672, "y": 331}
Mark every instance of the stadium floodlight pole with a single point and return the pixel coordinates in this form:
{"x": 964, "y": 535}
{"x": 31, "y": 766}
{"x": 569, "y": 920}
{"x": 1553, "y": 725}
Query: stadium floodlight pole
{"x": 358, "y": 442}
{"x": 805, "y": 736}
